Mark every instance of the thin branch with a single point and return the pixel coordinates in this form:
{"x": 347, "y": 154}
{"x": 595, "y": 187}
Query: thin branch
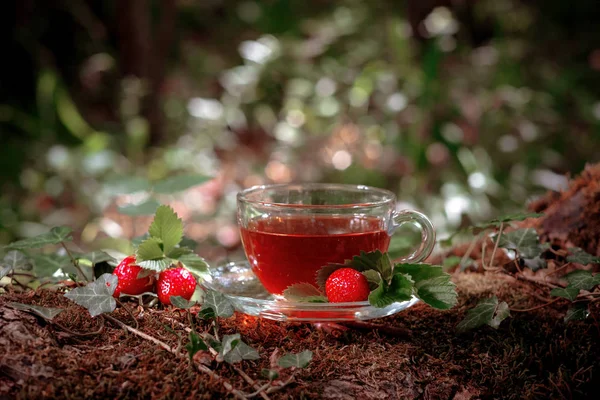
{"x": 64, "y": 328}
{"x": 259, "y": 389}
{"x": 470, "y": 249}
{"x": 137, "y": 325}
{"x": 536, "y": 307}
{"x": 74, "y": 262}
{"x": 496, "y": 244}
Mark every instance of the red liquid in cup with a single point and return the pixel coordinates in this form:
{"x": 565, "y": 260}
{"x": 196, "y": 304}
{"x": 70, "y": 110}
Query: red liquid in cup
{"x": 288, "y": 250}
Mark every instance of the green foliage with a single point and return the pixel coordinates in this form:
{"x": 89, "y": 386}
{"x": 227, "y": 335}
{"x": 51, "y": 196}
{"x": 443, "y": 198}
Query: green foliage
{"x": 180, "y": 302}
{"x": 195, "y": 344}
{"x": 220, "y": 305}
{"x": 524, "y": 241}
{"x": 304, "y": 292}
{"x": 96, "y": 297}
{"x": 167, "y": 228}
{"x": 577, "y": 311}
{"x": 147, "y": 207}
{"x": 47, "y": 313}
{"x": 179, "y": 183}
{"x": 400, "y": 288}
{"x": 12, "y": 260}
{"x": 295, "y": 360}
{"x": 569, "y": 292}
{"x": 56, "y": 235}
{"x": 233, "y": 350}
{"x": 580, "y": 256}
{"x": 486, "y": 312}
{"x": 581, "y": 279}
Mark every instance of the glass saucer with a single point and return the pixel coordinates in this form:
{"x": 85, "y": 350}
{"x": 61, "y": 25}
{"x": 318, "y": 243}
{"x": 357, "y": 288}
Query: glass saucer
{"x": 237, "y": 281}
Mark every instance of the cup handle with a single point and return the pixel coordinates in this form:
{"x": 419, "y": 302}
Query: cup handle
{"x": 427, "y": 233}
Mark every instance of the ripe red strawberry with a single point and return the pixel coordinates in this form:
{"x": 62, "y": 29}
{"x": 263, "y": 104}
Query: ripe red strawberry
{"x": 129, "y": 283}
{"x": 346, "y": 285}
{"x": 175, "y": 282}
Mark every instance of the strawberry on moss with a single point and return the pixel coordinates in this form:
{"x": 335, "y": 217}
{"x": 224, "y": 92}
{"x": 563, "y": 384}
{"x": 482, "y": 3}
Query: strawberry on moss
{"x": 127, "y": 271}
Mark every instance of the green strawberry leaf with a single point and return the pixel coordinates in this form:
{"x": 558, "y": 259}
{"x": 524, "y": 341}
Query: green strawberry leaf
{"x": 179, "y": 183}
{"x": 373, "y": 278}
{"x": 136, "y": 241}
{"x": 154, "y": 265}
{"x": 399, "y": 289}
{"x": 295, "y": 360}
{"x": 149, "y": 249}
{"x": 304, "y": 292}
{"x": 195, "y": 344}
{"x": 166, "y": 227}
{"x": 147, "y": 207}
{"x": 432, "y": 284}
{"x": 486, "y": 312}
{"x": 580, "y": 256}
{"x": 375, "y": 260}
{"x": 578, "y": 311}
{"x": 47, "y": 313}
{"x": 325, "y": 271}
{"x": 219, "y": 303}
{"x": 581, "y": 279}
{"x": 180, "y": 302}
{"x": 55, "y": 236}
{"x": 524, "y": 241}
{"x": 195, "y": 264}
{"x": 96, "y": 296}
{"x": 178, "y": 252}
{"x": 569, "y": 292}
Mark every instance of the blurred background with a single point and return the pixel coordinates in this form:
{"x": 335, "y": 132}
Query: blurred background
{"x": 466, "y": 109}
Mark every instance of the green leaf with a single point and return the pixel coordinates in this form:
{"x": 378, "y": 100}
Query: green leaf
{"x": 219, "y": 303}
{"x": 535, "y": 264}
{"x": 155, "y": 265}
{"x": 48, "y": 264}
{"x": 375, "y": 260}
{"x": 373, "y": 278}
{"x": 581, "y": 279}
{"x": 432, "y": 284}
{"x": 400, "y": 245}
{"x": 514, "y": 217}
{"x": 195, "y": 264}
{"x": 14, "y": 259}
{"x": 399, "y": 289}
{"x": 241, "y": 351}
{"x": 325, "y": 271}
{"x": 118, "y": 185}
{"x": 486, "y": 312}
{"x": 304, "y": 292}
{"x": 569, "y": 292}
{"x": 451, "y": 261}
{"x": 96, "y": 296}
{"x": 55, "y": 236}
{"x": 178, "y": 252}
{"x": 96, "y": 257}
{"x": 524, "y": 241}
{"x": 180, "y": 302}
{"x": 179, "y": 183}
{"x": 576, "y": 312}
{"x": 149, "y": 249}
{"x": 45, "y": 312}
{"x": 195, "y": 344}
{"x": 147, "y": 207}
{"x": 166, "y": 227}
{"x": 136, "y": 241}
{"x": 269, "y": 374}
{"x": 580, "y": 256}
{"x": 298, "y": 360}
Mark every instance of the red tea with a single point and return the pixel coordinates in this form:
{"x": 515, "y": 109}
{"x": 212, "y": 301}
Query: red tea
{"x": 291, "y": 249}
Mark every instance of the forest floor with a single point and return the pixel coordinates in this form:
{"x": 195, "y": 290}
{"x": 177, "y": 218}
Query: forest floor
{"x": 416, "y": 353}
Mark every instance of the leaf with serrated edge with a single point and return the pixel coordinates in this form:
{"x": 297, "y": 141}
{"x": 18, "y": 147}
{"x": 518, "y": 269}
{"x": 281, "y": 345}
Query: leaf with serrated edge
{"x": 577, "y": 312}
{"x": 302, "y": 292}
{"x": 568, "y": 293}
{"x": 156, "y": 265}
{"x": 167, "y": 227}
{"x": 96, "y": 296}
{"x": 219, "y": 303}
{"x": 195, "y": 264}
{"x": 298, "y": 360}
{"x": 432, "y": 284}
{"x": 373, "y": 278}
{"x": 149, "y": 249}
{"x": 581, "y": 279}
{"x": 180, "y": 302}
{"x": 399, "y": 289}
{"x": 524, "y": 241}
{"x": 45, "y": 312}
{"x": 580, "y": 256}
{"x": 55, "y": 236}
{"x": 375, "y": 260}
{"x": 486, "y": 312}
{"x": 179, "y": 183}
{"x": 179, "y": 252}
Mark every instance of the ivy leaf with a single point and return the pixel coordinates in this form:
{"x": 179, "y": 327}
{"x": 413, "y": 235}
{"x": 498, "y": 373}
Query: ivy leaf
{"x": 269, "y": 374}
{"x": 580, "y": 256}
{"x": 432, "y": 284}
{"x": 48, "y": 264}
{"x": 167, "y": 227}
{"x": 147, "y": 207}
{"x": 524, "y": 241}
{"x": 179, "y": 183}
{"x": 219, "y": 303}
{"x": 577, "y": 312}
{"x": 149, "y": 249}
{"x": 298, "y": 360}
{"x": 569, "y": 292}
{"x": 195, "y": 344}
{"x": 240, "y": 351}
{"x": 581, "y": 279}
{"x": 96, "y": 296}
{"x": 180, "y": 302}
{"x": 486, "y": 312}
{"x": 55, "y": 236}
{"x": 304, "y": 292}
{"x": 96, "y": 257}
{"x": 399, "y": 289}
{"x": 513, "y": 217}
{"x": 195, "y": 264}
{"x": 535, "y": 263}
{"x": 14, "y": 259}
{"x": 47, "y": 313}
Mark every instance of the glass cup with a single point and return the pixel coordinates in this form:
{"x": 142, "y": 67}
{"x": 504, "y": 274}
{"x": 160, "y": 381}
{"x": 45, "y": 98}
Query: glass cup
{"x": 290, "y": 231}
